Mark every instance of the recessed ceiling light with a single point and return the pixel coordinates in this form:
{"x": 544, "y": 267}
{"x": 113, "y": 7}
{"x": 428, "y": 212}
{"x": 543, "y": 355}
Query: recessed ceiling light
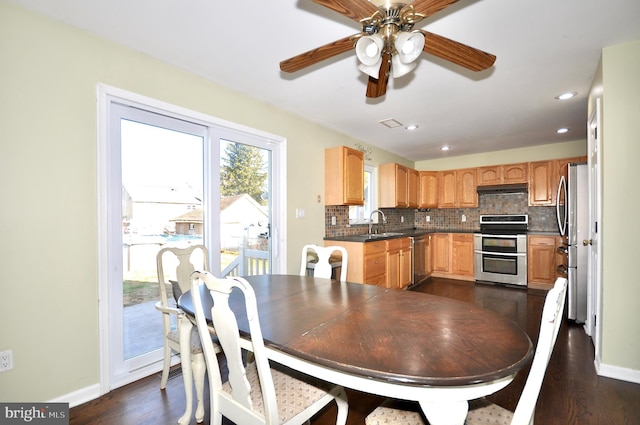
{"x": 445, "y": 148}
{"x": 412, "y": 127}
{"x": 566, "y": 95}
{"x": 562, "y": 130}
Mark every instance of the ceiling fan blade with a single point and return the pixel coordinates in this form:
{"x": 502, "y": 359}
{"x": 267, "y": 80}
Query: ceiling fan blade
{"x": 352, "y": 9}
{"x": 458, "y": 53}
{"x": 429, "y": 7}
{"x": 318, "y": 54}
{"x": 377, "y": 87}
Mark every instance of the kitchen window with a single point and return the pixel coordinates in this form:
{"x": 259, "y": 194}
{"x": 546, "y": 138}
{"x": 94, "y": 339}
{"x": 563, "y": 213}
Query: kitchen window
{"x": 360, "y": 214}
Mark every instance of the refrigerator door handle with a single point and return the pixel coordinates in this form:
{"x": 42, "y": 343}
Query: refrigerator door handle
{"x": 561, "y": 208}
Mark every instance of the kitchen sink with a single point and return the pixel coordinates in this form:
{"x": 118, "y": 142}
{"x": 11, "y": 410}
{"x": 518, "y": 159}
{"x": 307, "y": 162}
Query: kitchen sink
{"x": 384, "y": 235}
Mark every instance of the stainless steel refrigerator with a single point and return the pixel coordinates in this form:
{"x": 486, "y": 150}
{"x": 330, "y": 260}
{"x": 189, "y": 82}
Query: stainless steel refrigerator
{"x": 573, "y": 221}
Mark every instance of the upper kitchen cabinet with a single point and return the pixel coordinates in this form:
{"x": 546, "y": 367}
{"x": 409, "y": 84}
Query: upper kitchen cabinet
{"x": 542, "y": 183}
{"x": 489, "y": 176}
{"x": 467, "y": 188}
{"x": 457, "y": 188}
{"x": 503, "y": 174}
{"x": 343, "y": 176}
{"x": 413, "y": 185}
{"x": 428, "y": 189}
{"x": 398, "y": 186}
{"x": 447, "y": 189}
{"x": 515, "y": 173}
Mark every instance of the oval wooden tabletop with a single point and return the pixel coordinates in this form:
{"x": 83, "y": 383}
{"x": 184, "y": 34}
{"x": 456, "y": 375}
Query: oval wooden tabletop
{"x": 385, "y": 334}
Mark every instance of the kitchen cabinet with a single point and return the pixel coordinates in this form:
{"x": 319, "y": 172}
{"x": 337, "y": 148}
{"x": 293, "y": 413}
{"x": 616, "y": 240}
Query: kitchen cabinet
{"x": 452, "y": 255}
{"x": 343, "y": 176}
{"x": 428, "y": 189}
{"x": 440, "y": 252}
{"x": 375, "y": 263}
{"x": 515, "y": 173}
{"x": 466, "y": 188}
{"x": 542, "y": 183}
{"x": 489, "y": 176}
{"x": 457, "y": 188}
{"x": 503, "y": 174}
{"x": 398, "y": 263}
{"x": 447, "y": 189}
{"x": 541, "y": 261}
{"x": 413, "y": 183}
{"x": 393, "y": 181}
{"x": 462, "y": 254}
{"x": 366, "y": 263}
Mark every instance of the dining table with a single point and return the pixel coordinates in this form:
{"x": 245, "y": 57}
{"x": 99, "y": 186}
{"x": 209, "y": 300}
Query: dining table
{"x": 394, "y": 343}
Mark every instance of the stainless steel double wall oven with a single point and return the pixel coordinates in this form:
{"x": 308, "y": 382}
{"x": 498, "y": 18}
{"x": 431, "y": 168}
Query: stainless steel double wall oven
{"x": 500, "y": 249}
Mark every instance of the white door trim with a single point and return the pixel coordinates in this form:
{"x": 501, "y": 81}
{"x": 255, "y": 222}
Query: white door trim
{"x": 107, "y": 94}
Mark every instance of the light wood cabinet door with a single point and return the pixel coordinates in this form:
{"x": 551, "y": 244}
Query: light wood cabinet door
{"x": 343, "y": 176}
{"x": 393, "y": 268}
{"x": 375, "y": 263}
{"x": 541, "y": 260}
{"x": 413, "y": 182}
{"x": 393, "y": 181}
{"x": 398, "y": 262}
{"x": 428, "y": 189}
{"x": 466, "y": 188}
{"x": 462, "y": 254}
{"x": 542, "y": 183}
{"x": 515, "y": 173}
{"x": 440, "y": 252}
{"x": 488, "y": 176}
{"x": 447, "y": 187}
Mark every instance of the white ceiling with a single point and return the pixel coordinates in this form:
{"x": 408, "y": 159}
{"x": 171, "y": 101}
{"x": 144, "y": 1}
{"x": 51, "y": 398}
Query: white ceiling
{"x": 543, "y": 48}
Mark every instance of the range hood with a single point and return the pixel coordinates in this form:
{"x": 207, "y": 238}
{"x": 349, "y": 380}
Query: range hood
{"x": 504, "y": 188}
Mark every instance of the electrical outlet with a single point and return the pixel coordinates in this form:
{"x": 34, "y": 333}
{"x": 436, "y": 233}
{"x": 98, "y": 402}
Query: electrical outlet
{"x": 464, "y": 218}
{"x": 6, "y": 360}
{"x": 428, "y": 218}
{"x": 334, "y": 221}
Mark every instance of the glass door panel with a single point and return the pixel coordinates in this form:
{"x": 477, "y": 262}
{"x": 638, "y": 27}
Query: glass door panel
{"x": 245, "y": 209}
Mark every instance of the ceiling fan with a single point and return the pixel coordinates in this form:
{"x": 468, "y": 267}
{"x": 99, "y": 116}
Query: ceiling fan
{"x": 388, "y": 45}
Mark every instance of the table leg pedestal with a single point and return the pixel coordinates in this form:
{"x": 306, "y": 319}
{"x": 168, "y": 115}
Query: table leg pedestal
{"x": 445, "y": 412}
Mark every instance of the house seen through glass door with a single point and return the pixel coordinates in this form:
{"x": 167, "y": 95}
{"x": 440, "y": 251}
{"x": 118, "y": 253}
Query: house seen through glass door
{"x": 177, "y": 183}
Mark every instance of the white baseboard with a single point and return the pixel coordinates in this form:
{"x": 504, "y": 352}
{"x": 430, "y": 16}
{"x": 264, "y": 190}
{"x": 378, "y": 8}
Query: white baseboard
{"x": 617, "y": 372}
{"x": 80, "y": 396}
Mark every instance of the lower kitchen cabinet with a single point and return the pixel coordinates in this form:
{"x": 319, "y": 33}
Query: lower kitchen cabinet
{"x": 462, "y": 254}
{"x": 398, "y": 263}
{"x": 367, "y": 262}
{"x": 452, "y": 255}
{"x": 541, "y": 261}
{"x": 440, "y": 252}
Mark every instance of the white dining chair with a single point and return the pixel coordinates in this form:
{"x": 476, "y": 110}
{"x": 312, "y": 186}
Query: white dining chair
{"x": 482, "y": 411}
{"x": 180, "y": 262}
{"x": 324, "y": 266}
{"x": 260, "y": 392}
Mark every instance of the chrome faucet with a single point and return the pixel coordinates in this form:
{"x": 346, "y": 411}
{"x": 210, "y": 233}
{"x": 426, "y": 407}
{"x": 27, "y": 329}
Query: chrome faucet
{"x": 384, "y": 219}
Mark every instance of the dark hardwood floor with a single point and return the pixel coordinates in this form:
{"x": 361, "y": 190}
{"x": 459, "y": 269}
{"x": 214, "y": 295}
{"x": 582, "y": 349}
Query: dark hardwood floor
{"x": 572, "y": 393}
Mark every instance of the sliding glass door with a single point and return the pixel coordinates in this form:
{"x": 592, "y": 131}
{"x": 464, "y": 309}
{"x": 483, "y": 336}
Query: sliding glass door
{"x": 171, "y": 181}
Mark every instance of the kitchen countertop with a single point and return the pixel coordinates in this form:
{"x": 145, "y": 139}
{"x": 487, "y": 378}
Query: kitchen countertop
{"x": 403, "y": 233}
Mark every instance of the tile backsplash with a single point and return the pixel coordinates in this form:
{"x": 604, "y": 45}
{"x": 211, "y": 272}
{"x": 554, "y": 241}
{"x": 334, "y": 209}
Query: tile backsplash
{"x": 541, "y": 219}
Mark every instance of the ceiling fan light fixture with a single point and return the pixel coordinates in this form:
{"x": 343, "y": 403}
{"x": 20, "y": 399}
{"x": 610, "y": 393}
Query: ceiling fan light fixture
{"x": 371, "y": 70}
{"x": 409, "y": 45}
{"x": 369, "y": 49}
{"x": 399, "y": 68}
